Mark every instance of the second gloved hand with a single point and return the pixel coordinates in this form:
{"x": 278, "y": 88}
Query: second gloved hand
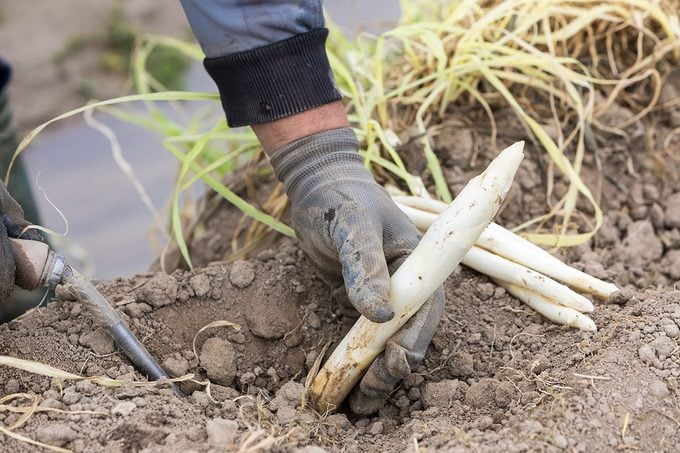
{"x": 349, "y": 226}
{"x": 12, "y": 225}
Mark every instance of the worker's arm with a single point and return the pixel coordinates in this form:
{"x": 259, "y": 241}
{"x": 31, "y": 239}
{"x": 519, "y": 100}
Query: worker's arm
{"x": 269, "y": 62}
{"x": 267, "y": 58}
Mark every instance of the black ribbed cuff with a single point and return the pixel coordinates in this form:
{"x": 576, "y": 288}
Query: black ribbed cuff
{"x": 276, "y": 80}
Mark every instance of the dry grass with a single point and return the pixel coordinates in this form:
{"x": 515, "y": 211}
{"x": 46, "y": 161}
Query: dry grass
{"x": 559, "y": 65}
{"x": 27, "y": 412}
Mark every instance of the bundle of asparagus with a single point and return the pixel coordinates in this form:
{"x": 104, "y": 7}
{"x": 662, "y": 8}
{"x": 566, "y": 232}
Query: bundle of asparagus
{"x": 455, "y": 233}
{"x": 525, "y": 270}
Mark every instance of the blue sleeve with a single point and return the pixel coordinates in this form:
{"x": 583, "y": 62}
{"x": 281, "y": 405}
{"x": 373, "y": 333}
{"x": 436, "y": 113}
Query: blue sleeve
{"x": 225, "y": 27}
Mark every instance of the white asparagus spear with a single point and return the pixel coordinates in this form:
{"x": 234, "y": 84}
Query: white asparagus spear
{"x": 422, "y": 204}
{"x": 502, "y": 269}
{"x": 505, "y": 243}
{"x": 421, "y": 219}
{"x": 436, "y": 256}
{"x": 556, "y": 313}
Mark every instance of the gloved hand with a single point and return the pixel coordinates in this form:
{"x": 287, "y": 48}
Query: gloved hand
{"x": 349, "y": 227}
{"x": 12, "y": 225}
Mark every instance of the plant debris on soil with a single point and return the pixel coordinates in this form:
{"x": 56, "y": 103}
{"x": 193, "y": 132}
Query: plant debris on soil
{"x": 497, "y": 377}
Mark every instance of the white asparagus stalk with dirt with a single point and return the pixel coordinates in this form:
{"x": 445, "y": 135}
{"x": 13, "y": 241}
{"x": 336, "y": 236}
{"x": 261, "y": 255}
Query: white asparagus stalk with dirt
{"x": 509, "y": 245}
{"x": 557, "y": 313}
{"x": 500, "y": 268}
{"x": 514, "y": 263}
{"x": 504, "y": 243}
{"x": 439, "y": 252}
{"x": 503, "y": 267}
{"x": 544, "y": 295}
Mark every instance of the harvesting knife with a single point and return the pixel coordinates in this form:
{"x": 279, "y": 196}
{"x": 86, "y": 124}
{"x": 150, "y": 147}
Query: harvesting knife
{"x": 38, "y": 266}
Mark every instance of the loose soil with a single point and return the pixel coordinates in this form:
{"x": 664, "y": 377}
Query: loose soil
{"x": 496, "y": 377}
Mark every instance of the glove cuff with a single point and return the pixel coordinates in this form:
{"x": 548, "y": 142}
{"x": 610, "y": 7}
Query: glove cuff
{"x": 274, "y": 81}
{"x": 329, "y": 155}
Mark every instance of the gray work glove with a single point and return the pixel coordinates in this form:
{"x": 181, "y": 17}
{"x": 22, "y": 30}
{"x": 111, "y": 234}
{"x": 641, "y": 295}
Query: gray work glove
{"x": 13, "y": 223}
{"x": 349, "y": 227}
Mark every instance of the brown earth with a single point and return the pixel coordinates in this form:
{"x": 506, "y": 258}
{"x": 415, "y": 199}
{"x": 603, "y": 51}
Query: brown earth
{"x": 496, "y": 377}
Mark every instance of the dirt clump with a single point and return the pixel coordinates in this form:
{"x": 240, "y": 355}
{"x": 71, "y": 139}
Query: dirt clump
{"x": 672, "y": 212}
{"x": 158, "y": 291}
{"x": 489, "y": 393}
{"x": 222, "y": 433}
{"x": 56, "y": 434}
{"x": 98, "y": 340}
{"x": 242, "y": 274}
{"x": 439, "y": 394}
{"x": 218, "y": 358}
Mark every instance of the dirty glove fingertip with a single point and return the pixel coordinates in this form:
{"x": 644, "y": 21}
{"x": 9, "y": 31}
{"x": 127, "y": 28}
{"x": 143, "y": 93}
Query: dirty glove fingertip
{"x": 364, "y": 270}
{"x": 373, "y": 306}
{"x": 396, "y": 361}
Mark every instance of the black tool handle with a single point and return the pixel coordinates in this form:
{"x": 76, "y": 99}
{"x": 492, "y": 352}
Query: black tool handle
{"x": 81, "y": 289}
{"x": 144, "y": 362}
{"x": 37, "y": 265}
